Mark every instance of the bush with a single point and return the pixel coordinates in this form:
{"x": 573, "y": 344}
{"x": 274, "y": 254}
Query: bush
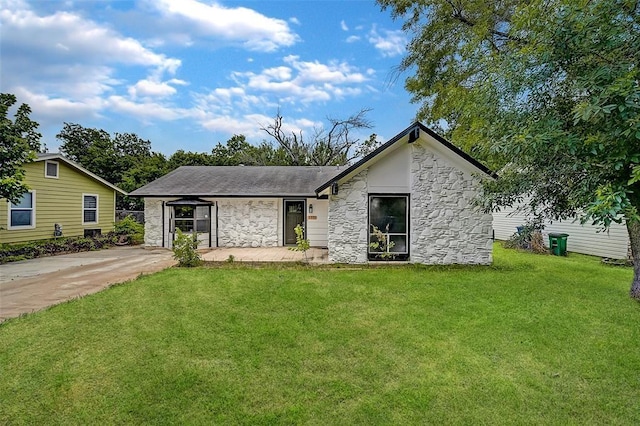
{"x": 130, "y": 227}
{"x": 185, "y": 249}
{"x": 529, "y": 237}
{"x": 302, "y": 244}
{"x": 33, "y": 249}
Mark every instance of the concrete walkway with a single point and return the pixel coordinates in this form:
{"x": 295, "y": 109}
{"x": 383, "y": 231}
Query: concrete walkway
{"x": 265, "y": 254}
{"x": 35, "y": 284}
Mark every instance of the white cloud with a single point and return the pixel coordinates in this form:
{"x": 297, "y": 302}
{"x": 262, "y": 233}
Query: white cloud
{"x": 152, "y": 88}
{"x": 344, "y": 26}
{"x": 389, "y": 43}
{"x": 302, "y": 81}
{"x": 295, "y": 84}
{"x": 52, "y": 109}
{"x": 353, "y": 39}
{"x": 65, "y": 65}
{"x": 248, "y": 125}
{"x": 147, "y": 110}
{"x": 246, "y": 26}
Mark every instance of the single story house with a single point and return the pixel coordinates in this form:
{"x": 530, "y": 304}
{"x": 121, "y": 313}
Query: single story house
{"x": 417, "y": 188}
{"x": 64, "y": 199}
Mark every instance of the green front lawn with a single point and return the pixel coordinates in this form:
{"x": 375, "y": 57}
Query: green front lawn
{"x": 532, "y": 339}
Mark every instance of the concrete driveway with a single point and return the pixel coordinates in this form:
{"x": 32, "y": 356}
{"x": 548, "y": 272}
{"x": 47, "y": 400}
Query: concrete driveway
{"x": 34, "y": 284}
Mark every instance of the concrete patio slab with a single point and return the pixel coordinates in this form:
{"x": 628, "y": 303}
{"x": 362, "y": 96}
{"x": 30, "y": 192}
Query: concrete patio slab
{"x": 265, "y": 254}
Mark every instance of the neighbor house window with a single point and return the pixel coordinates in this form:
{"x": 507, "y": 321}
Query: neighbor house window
{"x": 389, "y": 214}
{"x": 51, "y": 169}
{"x": 23, "y": 214}
{"x": 89, "y": 208}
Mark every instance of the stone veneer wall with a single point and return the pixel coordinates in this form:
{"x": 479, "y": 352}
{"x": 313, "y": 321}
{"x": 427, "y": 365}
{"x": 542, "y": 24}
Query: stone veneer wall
{"x": 247, "y": 223}
{"x": 152, "y": 222}
{"x": 347, "y": 240}
{"x": 445, "y": 227}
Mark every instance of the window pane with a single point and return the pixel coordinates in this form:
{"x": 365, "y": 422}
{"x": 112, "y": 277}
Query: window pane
{"x": 52, "y": 169}
{"x": 389, "y": 211}
{"x": 202, "y": 212}
{"x": 185, "y": 225}
{"x": 21, "y": 218}
{"x": 90, "y": 216}
{"x": 400, "y": 243}
{"x": 202, "y": 225}
{"x": 25, "y": 202}
{"x": 374, "y": 239}
{"x": 184, "y": 212}
{"x": 90, "y": 202}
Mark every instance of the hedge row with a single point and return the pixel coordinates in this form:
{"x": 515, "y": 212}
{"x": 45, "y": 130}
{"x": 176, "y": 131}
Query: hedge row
{"x": 33, "y": 249}
{"x": 126, "y": 231}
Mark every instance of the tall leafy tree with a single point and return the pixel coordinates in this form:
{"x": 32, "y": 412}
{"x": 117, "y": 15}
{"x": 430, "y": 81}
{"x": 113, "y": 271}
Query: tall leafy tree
{"x": 546, "y": 90}
{"x": 19, "y": 143}
{"x": 238, "y": 151}
{"x": 109, "y": 157}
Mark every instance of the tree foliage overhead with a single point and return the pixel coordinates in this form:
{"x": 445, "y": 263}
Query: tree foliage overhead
{"x": 19, "y": 143}
{"x": 546, "y": 90}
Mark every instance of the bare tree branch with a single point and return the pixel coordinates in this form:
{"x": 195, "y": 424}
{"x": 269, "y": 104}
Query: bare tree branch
{"x": 327, "y": 147}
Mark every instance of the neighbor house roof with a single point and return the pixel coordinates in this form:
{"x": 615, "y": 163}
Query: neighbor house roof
{"x": 411, "y": 133}
{"x": 59, "y": 157}
{"x": 239, "y": 181}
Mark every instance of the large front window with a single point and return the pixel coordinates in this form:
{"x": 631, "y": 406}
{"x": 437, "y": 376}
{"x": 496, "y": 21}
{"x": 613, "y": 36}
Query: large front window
{"x": 22, "y": 214}
{"x": 192, "y": 218}
{"x": 388, "y": 227}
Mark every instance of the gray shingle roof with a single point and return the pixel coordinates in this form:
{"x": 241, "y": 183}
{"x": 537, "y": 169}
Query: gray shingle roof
{"x": 239, "y": 181}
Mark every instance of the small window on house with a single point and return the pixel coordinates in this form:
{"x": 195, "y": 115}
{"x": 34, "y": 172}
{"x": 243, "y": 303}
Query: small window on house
{"x": 23, "y": 214}
{"x": 89, "y": 209}
{"x": 51, "y": 169}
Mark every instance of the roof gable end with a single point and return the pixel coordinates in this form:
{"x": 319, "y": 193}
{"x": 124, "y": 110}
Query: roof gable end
{"x": 78, "y": 167}
{"x": 412, "y": 133}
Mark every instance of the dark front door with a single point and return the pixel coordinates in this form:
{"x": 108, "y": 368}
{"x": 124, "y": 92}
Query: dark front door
{"x": 294, "y": 211}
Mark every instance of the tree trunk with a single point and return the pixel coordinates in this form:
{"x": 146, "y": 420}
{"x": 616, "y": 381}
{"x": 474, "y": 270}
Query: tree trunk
{"x": 633, "y": 227}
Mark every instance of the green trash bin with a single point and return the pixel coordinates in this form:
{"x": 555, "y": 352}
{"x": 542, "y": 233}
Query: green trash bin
{"x": 558, "y": 244}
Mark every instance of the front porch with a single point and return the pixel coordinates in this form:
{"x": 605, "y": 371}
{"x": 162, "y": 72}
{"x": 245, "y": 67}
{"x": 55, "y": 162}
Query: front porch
{"x": 265, "y": 254}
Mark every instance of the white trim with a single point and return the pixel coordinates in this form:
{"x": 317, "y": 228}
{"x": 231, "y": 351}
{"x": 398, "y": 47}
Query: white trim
{"x": 33, "y": 214}
{"x": 46, "y": 168}
{"x": 97, "y": 209}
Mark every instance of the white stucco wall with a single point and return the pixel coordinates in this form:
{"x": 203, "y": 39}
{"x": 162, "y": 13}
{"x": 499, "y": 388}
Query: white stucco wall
{"x": 248, "y": 222}
{"x": 445, "y": 227}
{"x": 347, "y": 240}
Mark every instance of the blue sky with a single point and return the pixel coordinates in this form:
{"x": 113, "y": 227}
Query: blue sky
{"x": 187, "y": 74}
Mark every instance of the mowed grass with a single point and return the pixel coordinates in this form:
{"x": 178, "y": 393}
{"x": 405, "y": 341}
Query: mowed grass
{"x": 529, "y": 340}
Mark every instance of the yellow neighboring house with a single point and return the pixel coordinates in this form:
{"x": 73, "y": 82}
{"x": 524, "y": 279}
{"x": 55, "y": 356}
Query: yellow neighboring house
{"x": 65, "y": 199}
